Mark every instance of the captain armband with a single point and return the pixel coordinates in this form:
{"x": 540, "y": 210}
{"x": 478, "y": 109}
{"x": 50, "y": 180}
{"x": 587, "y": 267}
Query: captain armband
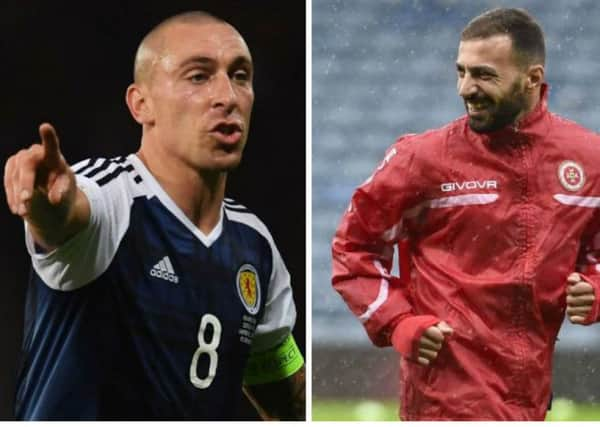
{"x": 274, "y": 364}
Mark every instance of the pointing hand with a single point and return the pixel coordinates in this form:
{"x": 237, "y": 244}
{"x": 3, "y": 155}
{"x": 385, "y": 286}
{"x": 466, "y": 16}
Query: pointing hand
{"x": 38, "y": 177}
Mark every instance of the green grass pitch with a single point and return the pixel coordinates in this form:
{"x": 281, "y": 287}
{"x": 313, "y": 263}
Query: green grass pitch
{"x": 372, "y": 410}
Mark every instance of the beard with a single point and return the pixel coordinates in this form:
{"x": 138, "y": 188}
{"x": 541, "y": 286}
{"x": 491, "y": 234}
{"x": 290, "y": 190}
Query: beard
{"x": 497, "y": 114}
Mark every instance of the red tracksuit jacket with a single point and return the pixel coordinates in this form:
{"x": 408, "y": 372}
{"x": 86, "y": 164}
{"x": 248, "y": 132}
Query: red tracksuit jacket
{"x": 489, "y": 226}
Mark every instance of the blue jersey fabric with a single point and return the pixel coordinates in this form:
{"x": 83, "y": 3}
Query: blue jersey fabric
{"x": 122, "y": 346}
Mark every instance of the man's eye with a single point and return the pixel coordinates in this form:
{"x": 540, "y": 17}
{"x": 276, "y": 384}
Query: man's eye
{"x": 198, "y": 77}
{"x": 461, "y": 73}
{"x": 241, "y": 76}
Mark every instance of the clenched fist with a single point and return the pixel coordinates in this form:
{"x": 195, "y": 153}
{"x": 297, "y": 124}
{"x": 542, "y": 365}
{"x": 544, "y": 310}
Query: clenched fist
{"x": 580, "y": 298}
{"x": 431, "y": 342}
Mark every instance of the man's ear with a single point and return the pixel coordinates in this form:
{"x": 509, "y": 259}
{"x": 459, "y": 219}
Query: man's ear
{"x": 139, "y": 104}
{"x": 535, "y": 76}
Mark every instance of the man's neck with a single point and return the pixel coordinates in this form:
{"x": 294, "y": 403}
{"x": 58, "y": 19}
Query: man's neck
{"x": 198, "y": 195}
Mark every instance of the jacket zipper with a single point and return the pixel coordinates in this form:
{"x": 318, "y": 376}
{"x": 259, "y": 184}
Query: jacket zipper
{"x": 522, "y": 292}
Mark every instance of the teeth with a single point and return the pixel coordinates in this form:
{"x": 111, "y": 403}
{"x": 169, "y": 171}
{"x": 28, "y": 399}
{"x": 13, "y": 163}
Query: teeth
{"x": 476, "y": 106}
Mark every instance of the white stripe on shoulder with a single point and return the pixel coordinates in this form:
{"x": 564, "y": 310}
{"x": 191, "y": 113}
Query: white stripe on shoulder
{"x": 381, "y": 296}
{"x": 585, "y": 202}
{"x": 109, "y": 169}
{"x": 230, "y": 203}
{"x": 85, "y": 165}
{"x": 463, "y": 200}
{"x": 250, "y": 220}
{"x": 103, "y": 170}
{"x": 447, "y": 202}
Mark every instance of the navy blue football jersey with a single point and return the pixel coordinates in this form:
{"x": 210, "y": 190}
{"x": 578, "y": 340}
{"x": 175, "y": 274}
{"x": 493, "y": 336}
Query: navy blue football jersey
{"x": 141, "y": 315}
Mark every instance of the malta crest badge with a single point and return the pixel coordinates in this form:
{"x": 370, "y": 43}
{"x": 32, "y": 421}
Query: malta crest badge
{"x": 248, "y": 288}
{"x": 571, "y": 175}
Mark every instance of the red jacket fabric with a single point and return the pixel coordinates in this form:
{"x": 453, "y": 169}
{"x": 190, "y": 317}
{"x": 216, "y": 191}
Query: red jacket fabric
{"x": 488, "y": 228}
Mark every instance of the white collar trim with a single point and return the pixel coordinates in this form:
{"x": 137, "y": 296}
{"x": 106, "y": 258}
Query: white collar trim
{"x": 165, "y": 199}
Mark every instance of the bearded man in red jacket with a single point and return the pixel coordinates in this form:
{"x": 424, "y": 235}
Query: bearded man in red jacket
{"x": 496, "y": 217}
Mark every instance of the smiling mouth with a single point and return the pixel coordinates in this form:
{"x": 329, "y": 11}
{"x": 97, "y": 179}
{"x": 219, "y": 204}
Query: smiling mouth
{"x": 477, "y": 107}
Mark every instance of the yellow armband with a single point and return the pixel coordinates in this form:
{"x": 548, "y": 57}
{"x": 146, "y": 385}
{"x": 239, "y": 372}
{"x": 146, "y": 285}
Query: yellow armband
{"x": 274, "y": 364}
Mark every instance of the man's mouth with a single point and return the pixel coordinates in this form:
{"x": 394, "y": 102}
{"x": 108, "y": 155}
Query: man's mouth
{"x": 227, "y": 132}
{"x": 227, "y": 128}
{"x": 477, "y": 106}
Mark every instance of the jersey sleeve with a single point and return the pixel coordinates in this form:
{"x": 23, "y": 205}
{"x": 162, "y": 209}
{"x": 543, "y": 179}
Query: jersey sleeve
{"x": 274, "y": 354}
{"x": 363, "y": 249}
{"x": 88, "y": 254}
{"x": 279, "y": 316}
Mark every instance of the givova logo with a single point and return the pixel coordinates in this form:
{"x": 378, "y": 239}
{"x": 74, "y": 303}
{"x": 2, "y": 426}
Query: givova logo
{"x": 470, "y": 185}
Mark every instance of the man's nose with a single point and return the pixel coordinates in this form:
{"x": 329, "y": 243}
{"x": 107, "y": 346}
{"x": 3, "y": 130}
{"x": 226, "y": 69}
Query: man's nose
{"x": 466, "y": 86}
{"x": 224, "y": 94}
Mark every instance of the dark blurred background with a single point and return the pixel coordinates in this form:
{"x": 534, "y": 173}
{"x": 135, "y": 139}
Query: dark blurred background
{"x": 69, "y": 63}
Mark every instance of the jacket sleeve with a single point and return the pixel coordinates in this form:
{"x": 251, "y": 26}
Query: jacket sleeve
{"x": 588, "y": 267}
{"x": 363, "y": 249}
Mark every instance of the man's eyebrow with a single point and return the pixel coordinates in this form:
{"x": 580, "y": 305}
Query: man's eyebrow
{"x": 205, "y": 60}
{"x": 241, "y": 60}
{"x": 477, "y": 69}
{"x": 201, "y": 60}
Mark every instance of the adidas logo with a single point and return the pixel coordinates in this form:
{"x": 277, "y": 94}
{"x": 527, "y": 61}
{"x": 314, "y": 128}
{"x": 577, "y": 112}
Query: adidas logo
{"x": 164, "y": 270}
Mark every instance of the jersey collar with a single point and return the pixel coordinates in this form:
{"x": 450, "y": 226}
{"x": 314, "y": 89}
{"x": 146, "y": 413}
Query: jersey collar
{"x": 167, "y": 202}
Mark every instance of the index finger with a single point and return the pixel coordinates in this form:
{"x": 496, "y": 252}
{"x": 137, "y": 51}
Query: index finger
{"x": 50, "y": 142}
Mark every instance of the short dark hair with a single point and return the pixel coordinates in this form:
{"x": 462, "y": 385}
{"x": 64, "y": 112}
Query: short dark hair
{"x": 141, "y": 66}
{"x": 526, "y": 34}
